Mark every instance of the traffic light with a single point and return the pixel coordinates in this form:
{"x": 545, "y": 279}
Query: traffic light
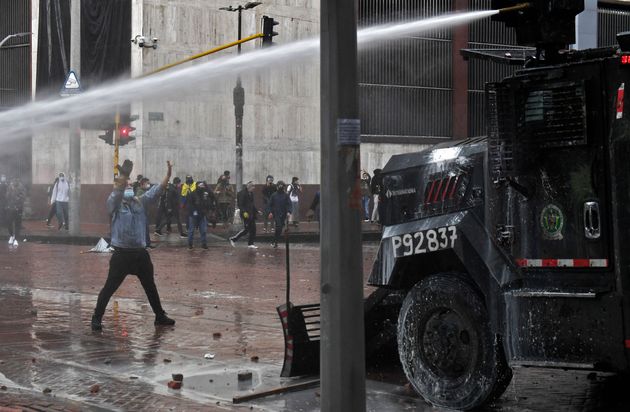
{"x": 125, "y": 134}
{"x": 108, "y": 137}
{"x": 126, "y": 129}
{"x": 268, "y": 33}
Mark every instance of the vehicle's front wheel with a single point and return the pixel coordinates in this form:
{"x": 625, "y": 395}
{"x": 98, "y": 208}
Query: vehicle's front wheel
{"x": 446, "y": 347}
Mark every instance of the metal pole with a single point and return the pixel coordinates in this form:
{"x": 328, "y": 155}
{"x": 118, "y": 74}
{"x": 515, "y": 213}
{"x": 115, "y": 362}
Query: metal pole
{"x": 116, "y": 141}
{"x": 75, "y": 125}
{"x": 342, "y": 328}
{"x": 239, "y": 102}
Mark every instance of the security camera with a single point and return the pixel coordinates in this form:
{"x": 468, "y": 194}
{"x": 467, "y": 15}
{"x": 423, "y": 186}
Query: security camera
{"x": 142, "y": 41}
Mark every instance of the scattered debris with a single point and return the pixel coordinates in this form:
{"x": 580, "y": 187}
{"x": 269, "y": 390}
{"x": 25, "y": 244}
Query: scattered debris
{"x": 178, "y": 377}
{"x": 95, "y": 388}
{"x": 245, "y": 376}
{"x": 107, "y": 361}
{"x": 34, "y": 312}
{"x": 47, "y": 390}
{"x": 167, "y": 360}
{"x": 199, "y": 312}
{"x": 101, "y": 247}
{"x": 254, "y": 358}
{"x": 33, "y": 360}
{"x": 133, "y": 377}
{"x": 216, "y": 335}
{"x": 4, "y": 388}
{"x": 211, "y": 380}
{"x": 175, "y": 384}
{"x": 209, "y": 356}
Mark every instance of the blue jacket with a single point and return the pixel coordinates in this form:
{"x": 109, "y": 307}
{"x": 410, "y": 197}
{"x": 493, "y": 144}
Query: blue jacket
{"x": 129, "y": 219}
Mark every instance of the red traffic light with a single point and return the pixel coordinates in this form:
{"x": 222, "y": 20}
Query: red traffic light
{"x": 125, "y": 134}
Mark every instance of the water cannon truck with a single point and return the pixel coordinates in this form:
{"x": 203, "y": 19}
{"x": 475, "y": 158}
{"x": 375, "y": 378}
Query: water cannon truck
{"x": 513, "y": 249}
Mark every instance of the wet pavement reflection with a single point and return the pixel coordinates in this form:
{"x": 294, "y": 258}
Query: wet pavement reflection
{"x": 224, "y": 301}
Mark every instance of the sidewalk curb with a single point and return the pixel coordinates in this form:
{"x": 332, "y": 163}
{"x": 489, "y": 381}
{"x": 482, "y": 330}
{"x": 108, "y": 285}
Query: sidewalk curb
{"x": 91, "y": 240}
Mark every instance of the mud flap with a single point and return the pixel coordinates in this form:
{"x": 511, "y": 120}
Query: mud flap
{"x": 301, "y": 327}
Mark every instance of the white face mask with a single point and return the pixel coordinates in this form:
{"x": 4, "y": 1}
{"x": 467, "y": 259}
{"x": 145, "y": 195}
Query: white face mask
{"x": 128, "y": 193}
{"x": 62, "y": 178}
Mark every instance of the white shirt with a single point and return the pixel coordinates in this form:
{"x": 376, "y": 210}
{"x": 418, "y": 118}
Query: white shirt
{"x": 61, "y": 192}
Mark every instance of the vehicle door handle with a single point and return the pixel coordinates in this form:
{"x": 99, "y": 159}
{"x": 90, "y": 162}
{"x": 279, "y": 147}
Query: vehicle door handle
{"x": 592, "y": 226}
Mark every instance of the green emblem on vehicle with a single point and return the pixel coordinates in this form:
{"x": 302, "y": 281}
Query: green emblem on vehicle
{"x": 552, "y": 222}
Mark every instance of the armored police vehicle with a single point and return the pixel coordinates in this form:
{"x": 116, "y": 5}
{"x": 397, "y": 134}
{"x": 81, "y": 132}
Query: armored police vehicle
{"x": 513, "y": 249}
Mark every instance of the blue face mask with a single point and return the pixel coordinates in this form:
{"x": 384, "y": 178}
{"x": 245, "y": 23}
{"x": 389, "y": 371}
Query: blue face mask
{"x": 128, "y": 193}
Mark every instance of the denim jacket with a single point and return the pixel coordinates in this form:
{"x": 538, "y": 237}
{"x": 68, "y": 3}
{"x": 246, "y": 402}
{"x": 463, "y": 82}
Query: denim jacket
{"x": 129, "y": 220}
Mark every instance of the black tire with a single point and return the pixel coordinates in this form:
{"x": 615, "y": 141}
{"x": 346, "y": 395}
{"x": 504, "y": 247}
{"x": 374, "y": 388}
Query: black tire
{"x": 446, "y": 347}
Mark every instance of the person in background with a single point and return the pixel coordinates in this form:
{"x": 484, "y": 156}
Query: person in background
{"x": 16, "y": 193}
{"x": 314, "y": 208}
{"x": 375, "y": 188}
{"x": 225, "y": 198}
{"x": 279, "y": 209}
{"x": 248, "y": 212}
{"x": 295, "y": 191}
{"x": 136, "y": 184}
{"x": 4, "y": 186}
{"x": 61, "y": 196}
{"x": 143, "y": 187}
{"x": 52, "y": 211}
{"x": 198, "y": 205}
{"x": 268, "y": 191}
{"x": 171, "y": 202}
{"x": 366, "y": 180}
{"x": 128, "y": 213}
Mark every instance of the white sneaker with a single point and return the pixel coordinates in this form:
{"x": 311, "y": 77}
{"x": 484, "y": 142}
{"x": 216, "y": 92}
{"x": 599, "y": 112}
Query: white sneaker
{"x": 11, "y": 239}
{"x": 15, "y": 242}
{"x": 252, "y": 247}
{"x": 232, "y": 242}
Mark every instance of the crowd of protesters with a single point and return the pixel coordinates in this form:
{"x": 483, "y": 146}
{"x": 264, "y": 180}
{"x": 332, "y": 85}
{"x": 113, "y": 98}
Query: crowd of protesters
{"x": 193, "y": 205}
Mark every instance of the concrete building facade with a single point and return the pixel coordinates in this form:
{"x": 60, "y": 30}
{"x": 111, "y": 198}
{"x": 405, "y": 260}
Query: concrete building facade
{"x": 281, "y": 124}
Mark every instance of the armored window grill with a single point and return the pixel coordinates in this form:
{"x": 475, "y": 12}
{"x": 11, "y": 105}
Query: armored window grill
{"x": 553, "y": 115}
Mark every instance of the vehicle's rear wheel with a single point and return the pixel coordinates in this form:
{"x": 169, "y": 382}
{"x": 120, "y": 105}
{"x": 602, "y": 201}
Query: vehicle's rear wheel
{"x": 446, "y": 347}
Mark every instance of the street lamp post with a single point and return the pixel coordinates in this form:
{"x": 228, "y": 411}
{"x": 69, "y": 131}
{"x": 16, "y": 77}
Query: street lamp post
{"x": 239, "y": 98}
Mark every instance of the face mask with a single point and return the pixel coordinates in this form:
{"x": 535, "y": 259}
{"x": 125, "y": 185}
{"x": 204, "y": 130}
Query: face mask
{"x": 62, "y": 178}
{"x": 128, "y": 193}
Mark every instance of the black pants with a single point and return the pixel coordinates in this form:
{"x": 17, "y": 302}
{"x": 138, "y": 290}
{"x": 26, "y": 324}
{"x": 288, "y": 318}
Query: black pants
{"x": 279, "y": 227}
{"x": 226, "y": 212}
{"x": 168, "y": 217}
{"x": 249, "y": 227}
{"x": 51, "y": 212}
{"x": 14, "y": 222}
{"x": 133, "y": 262}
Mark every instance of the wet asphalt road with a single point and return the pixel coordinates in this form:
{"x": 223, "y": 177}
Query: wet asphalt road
{"x": 224, "y": 300}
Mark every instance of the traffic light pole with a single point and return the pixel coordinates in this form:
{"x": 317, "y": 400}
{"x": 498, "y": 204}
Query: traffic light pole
{"x": 116, "y": 141}
{"x": 239, "y": 104}
{"x": 342, "y": 348}
{"x": 74, "y": 212}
